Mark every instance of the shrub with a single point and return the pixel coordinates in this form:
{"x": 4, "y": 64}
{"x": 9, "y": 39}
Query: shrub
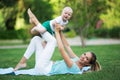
{"x": 114, "y": 32}
{"x": 102, "y": 32}
{"x": 108, "y": 33}
{"x": 11, "y": 34}
{"x": 22, "y": 34}
{"x": 71, "y": 33}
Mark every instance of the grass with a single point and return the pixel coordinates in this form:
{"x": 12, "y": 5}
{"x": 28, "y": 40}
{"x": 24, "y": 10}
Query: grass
{"x": 107, "y": 55}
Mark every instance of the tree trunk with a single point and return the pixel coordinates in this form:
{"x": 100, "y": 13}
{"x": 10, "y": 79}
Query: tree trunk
{"x": 82, "y": 39}
{"x": 83, "y": 33}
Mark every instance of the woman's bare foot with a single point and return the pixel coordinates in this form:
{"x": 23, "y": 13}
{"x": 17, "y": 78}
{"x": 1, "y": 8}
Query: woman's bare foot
{"x": 20, "y": 65}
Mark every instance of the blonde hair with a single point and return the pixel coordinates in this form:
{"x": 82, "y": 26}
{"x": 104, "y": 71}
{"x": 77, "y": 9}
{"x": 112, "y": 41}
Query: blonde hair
{"x": 95, "y": 66}
{"x": 67, "y": 8}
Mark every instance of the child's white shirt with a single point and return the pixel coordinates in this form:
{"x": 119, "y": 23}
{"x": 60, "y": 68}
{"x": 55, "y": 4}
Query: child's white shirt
{"x": 59, "y": 20}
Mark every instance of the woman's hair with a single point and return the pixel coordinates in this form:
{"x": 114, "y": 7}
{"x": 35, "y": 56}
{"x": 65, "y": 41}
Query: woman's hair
{"x": 95, "y": 66}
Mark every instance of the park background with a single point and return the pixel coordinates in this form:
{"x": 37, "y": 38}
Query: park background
{"x": 92, "y": 19}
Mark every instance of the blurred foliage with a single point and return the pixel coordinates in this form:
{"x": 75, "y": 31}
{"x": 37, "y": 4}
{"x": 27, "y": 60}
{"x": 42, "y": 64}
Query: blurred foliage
{"x": 112, "y": 16}
{"x": 14, "y": 13}
{"x": 106, "y": 33}
{"x": 11, "y": 10}
{"x": 41, "y": 8}
{"x": 23, "y": 34}
{"x": 7, "y": 3}
{"x": 86, "y": 16}
{"x": 71, "y": 33}
{"x": 8, "y": 11}
{"x": 11, "y": 34}
{"x": 86, "y": 13}
{"x": 15, "y": 34}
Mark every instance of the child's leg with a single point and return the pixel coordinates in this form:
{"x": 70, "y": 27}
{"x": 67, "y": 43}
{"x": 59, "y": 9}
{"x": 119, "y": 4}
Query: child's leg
{"x": 38, "y": 27}
{"x": 32, "y": 17}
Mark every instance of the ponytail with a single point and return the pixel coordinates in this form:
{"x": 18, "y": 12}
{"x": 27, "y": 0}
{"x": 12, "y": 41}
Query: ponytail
{"x": 96, "y": 66}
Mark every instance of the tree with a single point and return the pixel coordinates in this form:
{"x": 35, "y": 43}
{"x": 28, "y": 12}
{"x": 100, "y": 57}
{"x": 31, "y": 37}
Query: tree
{"x": 14, "y": 9}
{"x": 41, "y": 8}
{"x": 112, "y": 16}
{"x": 85, "y": 16}
{"x": 9, "y": 12}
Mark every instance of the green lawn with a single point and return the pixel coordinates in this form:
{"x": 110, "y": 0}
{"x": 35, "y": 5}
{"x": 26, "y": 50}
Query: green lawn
{"x": 107, "y": 55}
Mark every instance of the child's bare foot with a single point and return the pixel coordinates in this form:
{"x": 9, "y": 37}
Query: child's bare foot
{"x": 33, "y": 19}
{"x": 30, "y": 16}
{"x": 20, "y": 65}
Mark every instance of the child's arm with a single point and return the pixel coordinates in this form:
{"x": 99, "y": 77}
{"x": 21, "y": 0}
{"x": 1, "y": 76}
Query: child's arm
{"x": 62, "y": 50}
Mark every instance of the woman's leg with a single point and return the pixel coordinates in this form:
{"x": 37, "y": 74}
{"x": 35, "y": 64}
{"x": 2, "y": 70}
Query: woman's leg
{"x": 43, "y": 55}
{"x": 43, "y": 59}
{"x": 30, "y": 50}
{"x": 48, "y": 49}
{"x": 21, "y": 64}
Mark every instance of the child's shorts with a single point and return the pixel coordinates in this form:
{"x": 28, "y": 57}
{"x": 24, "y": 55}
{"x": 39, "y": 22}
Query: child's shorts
{"x": 46, "y": 24}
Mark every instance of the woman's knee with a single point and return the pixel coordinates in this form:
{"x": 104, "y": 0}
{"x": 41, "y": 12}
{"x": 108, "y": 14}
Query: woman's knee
{"x": 35, "y": 38}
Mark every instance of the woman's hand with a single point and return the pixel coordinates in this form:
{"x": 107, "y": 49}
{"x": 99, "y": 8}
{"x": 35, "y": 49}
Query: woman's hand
{"x": 57, "y": 27}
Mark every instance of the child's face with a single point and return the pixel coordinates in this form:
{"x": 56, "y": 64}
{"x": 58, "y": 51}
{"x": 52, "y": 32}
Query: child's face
{"x": 66, "y": 15}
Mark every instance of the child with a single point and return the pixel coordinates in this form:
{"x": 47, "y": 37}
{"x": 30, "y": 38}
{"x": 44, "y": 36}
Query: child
{"x": 49, "y": 25}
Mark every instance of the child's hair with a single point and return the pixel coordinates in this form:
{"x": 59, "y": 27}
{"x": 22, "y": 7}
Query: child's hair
{"x": 67, "y": 8}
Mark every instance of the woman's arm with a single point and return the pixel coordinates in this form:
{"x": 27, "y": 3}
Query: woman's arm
{"x": 67, "y": 46}
{"x": 62, "y": 50}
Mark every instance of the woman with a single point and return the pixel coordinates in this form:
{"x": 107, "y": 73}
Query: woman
{"x": 87, "y": 61}
{"x": 71, "y": 63}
